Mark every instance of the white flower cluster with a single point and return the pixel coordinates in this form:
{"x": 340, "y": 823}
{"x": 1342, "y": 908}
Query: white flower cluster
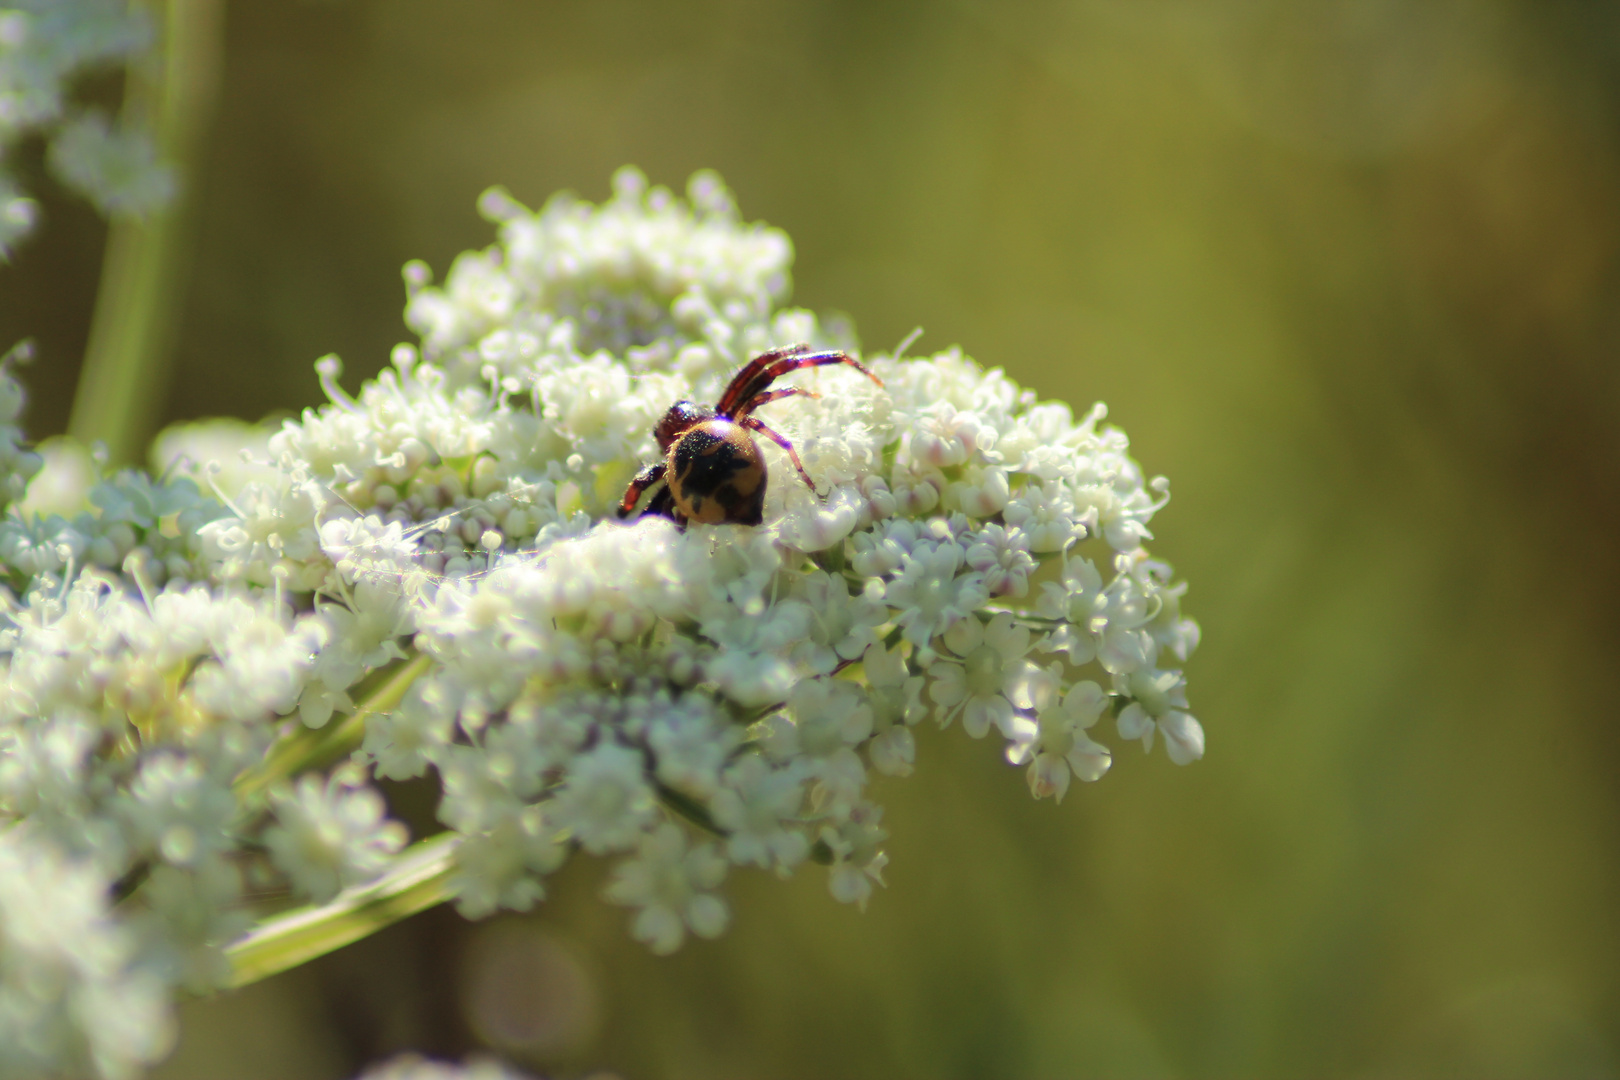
{"x": 72, "y": 1000}
{"x": 684, "y": 700}
{"x": 147, "y": 528}
{"x": 971, "y": 552}
{"x": 44, "y": 45}
{"x": 416, "y": 1067}
{"x": 641, "y": 277}
{"x": 18, "y": 464}
{"x": 136, "y": 690}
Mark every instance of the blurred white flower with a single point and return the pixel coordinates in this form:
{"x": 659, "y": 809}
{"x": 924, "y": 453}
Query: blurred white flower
{"x": 44, "y": 46}
{"x": 330, "y": 835}
{"x": 605, "y": 803}
{"x": 416, "y": 1067}
{"x": 671, "y": 885}
{"x": 71, "y": 998}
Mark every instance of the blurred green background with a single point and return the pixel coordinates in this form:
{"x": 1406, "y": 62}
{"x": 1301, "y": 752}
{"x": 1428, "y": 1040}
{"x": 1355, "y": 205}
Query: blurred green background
{"x": 1345, "y": 271}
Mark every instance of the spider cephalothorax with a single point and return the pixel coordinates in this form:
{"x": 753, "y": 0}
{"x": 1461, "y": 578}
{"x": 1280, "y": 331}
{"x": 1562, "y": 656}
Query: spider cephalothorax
{"x": 712, "y": 470}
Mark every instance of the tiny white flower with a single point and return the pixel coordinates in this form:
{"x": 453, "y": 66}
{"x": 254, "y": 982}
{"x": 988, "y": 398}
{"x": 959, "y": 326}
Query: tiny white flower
{"x": 175, "y": 810}
{"x": 502, "y": 866}
{"x": 1102, "y": 622}
{"x": 671, "y": 885}
{"x": 1002, "y": 556}
{"x": 1159, "y": 701}
{"x": 929, "y": 594}
{"x": 855, "y": 843}
{"x": 814, "y": 523}
{"x": 1045, "y": 513}
{"x": 982, "y": 492}
{"x": 882, "y": 551}
{"x": 363, "y": 548}
{"x": 841, "y": 625}
{"x": 403, "y": 743}
{"x": 944, "y": 438}
{"x": 72, "y": 1000}
{"x": 1055, "y": 744}
{"x": 751, "y": 666}
{"x": 329, "y": 836}
{"x": 757, "y": 806}
{"x": 605, "y": 803}
{"x": 895, "y": 698}
{"x": 830, "y": 717}
{"x": 990, "y": 679}
{"x": 692, "y": 744}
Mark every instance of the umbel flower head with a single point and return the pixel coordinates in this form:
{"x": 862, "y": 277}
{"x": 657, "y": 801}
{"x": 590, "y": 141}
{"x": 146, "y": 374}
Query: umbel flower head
{"x": 437, "y": 560}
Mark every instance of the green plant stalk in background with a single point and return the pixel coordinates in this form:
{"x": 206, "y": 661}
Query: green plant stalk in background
{"x": 171, "y": 91}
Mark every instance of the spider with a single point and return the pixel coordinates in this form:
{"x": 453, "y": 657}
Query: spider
{"x": 712, "y": 468}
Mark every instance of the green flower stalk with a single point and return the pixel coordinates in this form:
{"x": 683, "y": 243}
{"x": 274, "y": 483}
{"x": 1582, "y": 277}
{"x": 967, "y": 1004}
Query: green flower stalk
{"x": 141, "y": 184}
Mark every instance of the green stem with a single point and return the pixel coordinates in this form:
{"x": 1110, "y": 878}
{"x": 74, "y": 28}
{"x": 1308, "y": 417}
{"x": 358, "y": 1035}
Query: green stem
{"x": 690, "y": 809}
{"x": 126, "y": 364}
{"x": 420, "y": 879}
{"x": 1021, "y": 616}
{"x": 305, "y": 748}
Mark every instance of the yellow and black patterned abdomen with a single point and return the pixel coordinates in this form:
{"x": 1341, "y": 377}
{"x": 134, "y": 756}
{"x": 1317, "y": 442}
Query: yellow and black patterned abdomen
{"x": 716, "y": 475}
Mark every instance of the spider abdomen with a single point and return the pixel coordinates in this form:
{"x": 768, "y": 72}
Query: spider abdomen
{"x": 717, "y": 475}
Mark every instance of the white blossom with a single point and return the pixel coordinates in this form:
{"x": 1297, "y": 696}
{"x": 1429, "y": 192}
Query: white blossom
{"x": 605, "y": 802}
{"x": 990, "y": 679}
{"x": 825, "y": 720}
{"x": 1002, "y": 556}
{"x": 1054, "y": 742}
{"x": 929, "y": 595}
{"x": 756, "y": 807}
{"x": 416, "y": 1067}
{"x": 328, "y": 836}
{"x": 501, "y": 867}
{"x": 1159, "y": 703}
{"x": 841, "y": 626}
{"x": 895, "y": 698}
{"x": 854, "y": 847}
{"x": 71, "y": 998}
{"x": 671, "y": 885}
{"x": 44, "y": 46}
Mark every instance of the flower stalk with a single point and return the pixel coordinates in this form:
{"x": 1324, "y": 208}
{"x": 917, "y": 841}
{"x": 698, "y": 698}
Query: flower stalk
{"x": 307, "y": 748}
{"x": 419, "y": 879}
{"x": 126, "y": 364}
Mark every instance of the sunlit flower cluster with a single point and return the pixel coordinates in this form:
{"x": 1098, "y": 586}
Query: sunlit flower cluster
{"x": 683, "y": 701}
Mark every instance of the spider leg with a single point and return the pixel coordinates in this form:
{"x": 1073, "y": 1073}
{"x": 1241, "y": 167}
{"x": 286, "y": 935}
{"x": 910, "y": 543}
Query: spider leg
{"x": 769, "y": 396}
{"x": 781, "y": 366}
{"x": 643, "y": 480}
{"x": 663, "y": 505}
{"x": 745, "y": 376}
{"x": 755, "y": 424}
